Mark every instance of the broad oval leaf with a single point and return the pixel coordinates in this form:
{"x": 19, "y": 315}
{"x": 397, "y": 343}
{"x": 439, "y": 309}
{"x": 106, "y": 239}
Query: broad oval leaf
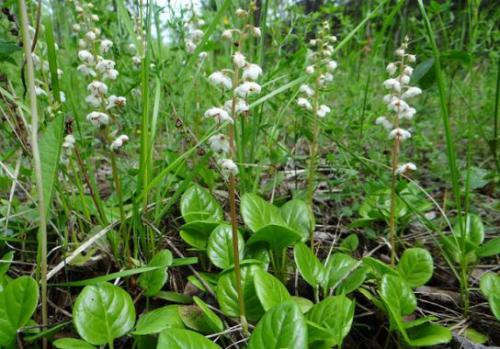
{"x": 102, "y": 313}
{"x": 17, "y": 304}
{"x": 258, "y": 213}
{"x": 197, "y": 204}
{"x": 227, "y": 294}
{"x": 490, "y": 248}
{"x": 378, "y": 268}
{"x": 72, "y": 343}
{"x": 489, "y": 284}
{"x": 428, "y": 334}
{"x": 157, "y": 320}
{"x": 153, "y": 281}
{"x": 338, "y": 267}
{"x": 220, "y": 246}
{"x": 213, "y": 321}
{"x": 276, "y": 237}
{"x": 335, "y": 314}
{"x": 416, "y": 266}
{"x": 397, "y": 294}
{"x": 474, "y": 229}
{"x": 308, "y": 264}
{"x": 298, "y": 216}
{"x": 184, "y": 339}
{"x": 281, "y": 327}
{"x": 196, "y": 233}
{"x": 269, "y": 289}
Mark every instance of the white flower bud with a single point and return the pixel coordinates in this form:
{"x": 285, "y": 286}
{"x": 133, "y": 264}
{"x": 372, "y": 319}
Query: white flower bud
{"x": 400, "y": 134}
{"x": 256, "y": 32}
{"x": 116, "y": 101}
{"x": 97, "y": 88}
{"x": 219, "y": 143}
{"x": 106, "y": 45}
{"x": 104, "y": 64}
{"x": 97, "y": 118}
{"x": 219, "y": 114}
{"x": 228, "y": 167}
{"x": 118, "y": 142}
{"x": 94, "y": 101}
{"x": 382, "y": 120}
{"x": 190, "y": 46}
{"x": 404, "y": 79}
{"x": 391, "y": 68}
{"x": 247, "y": 88}
{"x": 220, "y": 79}
{"x": 82, "y": 43}
{"x": 136, "y": 60}
{"x": 240, "y": 107}
{"x": 251, "y": 72}
{"x": 90, "y": 36}
{"x": 331, "y": 66}
{"x": 227, "y": 34}
{"x": 402, "y": 169}
{"x": 85, "y": 70}
{"x": 310, "y": 70}
{"x": 407, "y": 113}
{"x": 69, "y": 142}
{"x": 110, "y": 74}
{"x": 323, "y": 110}
{"x": 202, "y": 56}
{"x": 306, "y": 89}
{"x": 76, "y": 27}
{"x": 400, "y": 52}
{"x": 241, "y": 13}
{"x": 411, "y": 92}
{"x": 304, "y": 103}
{"x": 95, "y": 18}
{"x": 412, "y": 58}
{"x": 239, "y": 60}
{"x": 86, "y": 56}
{"x": 392, "y": 84}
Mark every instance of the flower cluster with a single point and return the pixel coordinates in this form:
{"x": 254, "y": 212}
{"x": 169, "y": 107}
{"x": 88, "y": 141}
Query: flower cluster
{"x": 194, "y": 34}
{"x": 241, "y": 83}
{"x": 320, "y": 68}
{"x": 102, "y": 71}
{"x": 397, "y": 100}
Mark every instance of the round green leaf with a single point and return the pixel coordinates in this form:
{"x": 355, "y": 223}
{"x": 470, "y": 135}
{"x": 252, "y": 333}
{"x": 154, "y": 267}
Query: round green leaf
{"x": 197, "y": 204}
{"x": 489, "y": 284}
{"x": 227, "y": 295}
{"x": 258, "y": 213}
{"x": 72, "y": 343}
{"x": 220, "y": 246}
{"x": 298, "y": 216}
{"x": 102, "y": 313}
{"x": 269, "y": 289}
{"x": 283, "y": 326}
{"x": 308, "y": 264}
{"x": 211, "y": 319}
{"x": 416, "y": 266}
{"x": 334, "y": 314}
{"x": 157, "y": 320}
{"x": 474, "y": 229}
{"x": 397, "y": 294}
{"x": 184, "y": 339}
{"x": 276, "y": 237}
{"x": 196, "y": 233}
{"x": 17, "y": 304}
{"x": 338, "y": 266}
{"x": 153, "y": 281}
{"x": 428, "y": 334}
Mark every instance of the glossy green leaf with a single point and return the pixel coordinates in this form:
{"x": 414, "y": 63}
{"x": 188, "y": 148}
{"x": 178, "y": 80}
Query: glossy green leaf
{"x": 297, "y": 215}
{"x": 338, "y": 267}
{"x": 72, "y": 343}
{"x": 153, "y": 281}
{"x": 350, "y": 243}
{"x": 197, "y": 233}
{"x": 157, "y": 320}
{"x": 184, "y": 339}
{"x": 396, "y": 293}
{"x": 227, "y": 295}
{"x": 428, "y": 334}
{"x": 269, "y": 289}
{"x": 197, "y": 204}
{"x": 416, "y": 266}
{"x": 276, "y": 237}
{"x": 474, "y": 229}
{"x": 489, "y": 284}
{"x": 310, "y": 268}
{"x": 490, "y": 248}
{"x": 281, "y": 327}
{"x": 220, "y": 246}
{"x": 102, "y": 313}
{"x": 258, "y": 213}
{"x": 18, "y": 302}
{"x": 195, "y": 319}
{"x": 378, "y": 268}
{"x": 5, "y": 262}
{"x": 335, "y": 314}
{"x": 353, "y": 281}
{"x": 494, "y": 302}
{"x": 211, "y": 319}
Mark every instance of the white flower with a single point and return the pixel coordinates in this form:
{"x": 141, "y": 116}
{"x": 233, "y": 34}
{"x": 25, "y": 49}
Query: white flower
{"x": 323, "y": 110}
{"x": 412, "y": 58}
{"x": 407, "y": 113}
{"x": 36, "y": 60}
{"x": 391, "y": 68}
{"x": 90, "y": 36}
{"x": 219, "y": 143}
{"x": 310, "y": 70}
{"x": 131, "y": 48}
{"x": 86, "y": 56}
{"x": 98, "y": 118}
{"x": 389, "y": 98}
{"x": 252, "y": 72}
{"x": 256, "y": 32}
{"x": 59, "y": 73}
{"x": 118, "y": 142}
{"x": 333, "y": 38}
{"x": 399, "y": 133}
{"x": 116, "y": 101}
{"x": 398, "y": 105}
{"x": 227, "y": 34}
{"x": 69, "y": 142}
{"x": 405, "y": 79}
{"x": 240, "y": 107}
{"x": 247, "y": 88}
{"x": 324, "y": 78}
{"x": 106, "y": 44}
{"x": 82, "y": 43}
{"x": 94, "y": 101}
{"x": 411, "y": 92}
{"x": 332, "y": 65}
{"x": 304, "y": 103}
{"x": 110, "y": 74}
{"x": 76, "y": 27}
{"x": 408, "y": 70}
{"x": 306, "y": 89}
{"x": 85, "y": 70}
{"x": 196, "y": 34}
{"x": 392, "y": 84}
{"x": 402, "y": 169}
{"x": 190, "y": 46}
{"x": 239, "y": 60}
{"x": 136, "y": 60}
{"x": 219, "y": 114}
{"x": 202, "y": 56}
{"x": 97, "y": 88}
{"x": 228, "y": 167}
{"x": 104, "y": 64}
{"x": 241, "y": 13}
{"x": 40, "y": 91}
{"x": 312, "y": 42}
{"x": 62, "y": 96}
{"x": 95, "y": 18}
{"x": 400, "y": 52}
{"x": 220, "y": 79}
{"x": 382, "y": 120}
